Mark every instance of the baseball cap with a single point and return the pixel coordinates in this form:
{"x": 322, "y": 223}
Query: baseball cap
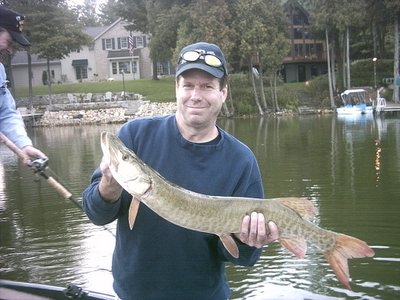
{"x": 203, "y": 56}
{"x": 13, "y": 22}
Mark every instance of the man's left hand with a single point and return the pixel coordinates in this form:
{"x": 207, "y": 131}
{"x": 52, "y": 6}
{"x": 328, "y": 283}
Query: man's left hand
{"x": 32, "y": 153}
{"x": 255, "y": 233}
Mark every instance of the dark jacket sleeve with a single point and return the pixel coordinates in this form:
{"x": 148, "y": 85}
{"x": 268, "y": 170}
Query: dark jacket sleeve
{"x": 99, "y": 211}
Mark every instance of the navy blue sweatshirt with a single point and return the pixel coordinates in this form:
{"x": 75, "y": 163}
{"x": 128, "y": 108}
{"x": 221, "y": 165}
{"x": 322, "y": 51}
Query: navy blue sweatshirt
{"x": 159, "y": 260}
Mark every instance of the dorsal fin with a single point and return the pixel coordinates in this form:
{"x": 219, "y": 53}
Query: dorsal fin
{"x": 304, "y": 207}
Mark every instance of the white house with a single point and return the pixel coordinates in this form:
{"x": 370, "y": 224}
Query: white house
{"x": 110, "y": 57}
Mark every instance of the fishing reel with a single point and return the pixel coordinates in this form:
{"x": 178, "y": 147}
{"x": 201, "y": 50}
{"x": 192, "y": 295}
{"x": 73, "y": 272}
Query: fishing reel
{"x": 40, "y": 164}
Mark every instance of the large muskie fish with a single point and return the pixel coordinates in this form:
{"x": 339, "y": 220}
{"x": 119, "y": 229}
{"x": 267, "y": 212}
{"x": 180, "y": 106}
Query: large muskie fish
{"x": 223, "y": 215}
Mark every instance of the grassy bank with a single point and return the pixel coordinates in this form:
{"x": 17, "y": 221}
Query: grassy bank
{"x": 162, "y": 90}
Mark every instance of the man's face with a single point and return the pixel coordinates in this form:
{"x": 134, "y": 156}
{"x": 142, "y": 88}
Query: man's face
{"x": 199, "y": 97}
{"x": 6, "y": 42}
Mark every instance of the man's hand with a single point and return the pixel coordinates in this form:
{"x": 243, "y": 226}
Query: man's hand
{"x": 32, "y": 153}
{"x": 109, "y": 188}
{"x": 255, "y": 233}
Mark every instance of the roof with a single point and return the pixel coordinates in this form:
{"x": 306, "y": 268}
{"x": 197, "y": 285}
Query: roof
{"x": 347, "y": 92}
{"x": 122, "y": 53}
{"x": 105, "y": 29}
{"x": 95, "y": 31}
{"x": 21, "y": 58}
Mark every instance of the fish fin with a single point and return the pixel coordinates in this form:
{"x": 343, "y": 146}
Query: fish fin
{"x": 297, "y": 246}
{"x": 133, "y": 210}
{"x": 229, "y": 244}
{"x": 346, "y": 247}
{"x": 304, "y": 207}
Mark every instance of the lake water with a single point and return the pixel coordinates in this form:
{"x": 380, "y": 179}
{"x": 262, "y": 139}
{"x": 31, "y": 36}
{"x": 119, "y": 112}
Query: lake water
{"x": 349, "y": 168}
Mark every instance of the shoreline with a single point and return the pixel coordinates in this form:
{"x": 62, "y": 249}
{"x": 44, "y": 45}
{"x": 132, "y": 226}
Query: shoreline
{"x": 119, "y": 112}
{"x": 115, "y": 112}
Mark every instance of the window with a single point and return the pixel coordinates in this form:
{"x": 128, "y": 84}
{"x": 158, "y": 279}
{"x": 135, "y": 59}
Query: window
{"x": 314, "y": 71}
{"x": 124, "y": 66}
{"x": 139, "y": 42}
{"x": 297, "y": 33}
{"x": 127, "y": 66}
{"x": 134, "y": 66}
{"x": 163, "y": 68}
{"x": 124, "y": 42}
{"x": 114, "y": 67}
{"x": 81, "y": 72}
{"x": 108, "y": 44}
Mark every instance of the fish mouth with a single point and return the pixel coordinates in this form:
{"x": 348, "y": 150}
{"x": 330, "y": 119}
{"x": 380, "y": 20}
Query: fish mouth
{"x": 109, "y": 152}
{"x": 105, "y": 147}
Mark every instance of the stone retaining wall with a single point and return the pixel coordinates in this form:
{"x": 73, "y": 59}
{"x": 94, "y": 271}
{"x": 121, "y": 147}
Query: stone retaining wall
{"x": 105, "y": 115}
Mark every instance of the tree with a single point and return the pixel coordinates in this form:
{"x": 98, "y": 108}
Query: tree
{"x": 54, "y": 33}
{"x": 109, "y": 12}
{"x": 394, "y": 16}
{"x": 215, "y": 28}
{"x": 262, "y": 27}
{"x": 52, "y": 28}
{"x": 87, "y": 15}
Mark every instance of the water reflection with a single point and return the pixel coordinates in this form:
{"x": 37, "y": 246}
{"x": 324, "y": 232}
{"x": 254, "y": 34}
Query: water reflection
{"x": 334, "y": 163}
{"x": 349, "y": 169}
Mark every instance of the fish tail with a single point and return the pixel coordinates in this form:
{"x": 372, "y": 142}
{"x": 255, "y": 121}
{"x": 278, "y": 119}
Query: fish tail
{"x": 346, "y": 247}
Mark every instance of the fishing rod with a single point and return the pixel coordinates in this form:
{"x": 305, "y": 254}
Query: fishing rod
{"x": 39, "y": 167}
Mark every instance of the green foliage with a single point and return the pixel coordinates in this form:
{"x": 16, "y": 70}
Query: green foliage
{"x": 317, "y": 92}
{"x": 287, "y": 98}
{"x": 243, "y": 97}
{"x": 362, "y": 72}
{"x": 215, "y": 28}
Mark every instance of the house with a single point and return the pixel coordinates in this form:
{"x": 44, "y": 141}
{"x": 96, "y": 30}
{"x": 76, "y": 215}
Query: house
{"x": 19, "y": 66}
{"x": 114, "y": 54}
{"x": 307, "y": 57}
{"x": 110, "y": 58}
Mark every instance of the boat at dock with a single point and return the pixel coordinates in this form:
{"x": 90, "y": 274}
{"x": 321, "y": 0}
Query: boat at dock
{"x": 355, "y": 102}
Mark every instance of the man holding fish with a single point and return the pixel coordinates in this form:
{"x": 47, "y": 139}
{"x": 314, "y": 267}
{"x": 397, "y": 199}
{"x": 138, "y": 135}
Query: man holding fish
{"x": 155, "y": 259}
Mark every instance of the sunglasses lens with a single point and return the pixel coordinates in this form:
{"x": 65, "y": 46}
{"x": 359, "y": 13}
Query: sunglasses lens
{"x": 191, "y": 56}
{"x": 212, "y": 60}
{"x": 209, "y": 59}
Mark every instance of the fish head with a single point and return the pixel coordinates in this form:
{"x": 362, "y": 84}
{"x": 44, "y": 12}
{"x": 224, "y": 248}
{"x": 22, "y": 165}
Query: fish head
{"x": 127, "y": 169}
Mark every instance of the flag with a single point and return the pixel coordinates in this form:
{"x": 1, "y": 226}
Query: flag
{"x": 130, "y": 42}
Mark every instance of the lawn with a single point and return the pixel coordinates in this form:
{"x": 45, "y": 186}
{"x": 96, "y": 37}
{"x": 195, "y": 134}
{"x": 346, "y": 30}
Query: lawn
{"x": 162, "y": 90}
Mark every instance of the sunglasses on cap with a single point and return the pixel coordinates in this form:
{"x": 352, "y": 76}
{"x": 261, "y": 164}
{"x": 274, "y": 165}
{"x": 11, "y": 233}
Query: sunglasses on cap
{"x": 209, "y": 59}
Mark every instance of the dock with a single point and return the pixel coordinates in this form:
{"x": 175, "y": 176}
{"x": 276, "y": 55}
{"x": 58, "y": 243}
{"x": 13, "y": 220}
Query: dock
{"x": 31, "y": 118}
{"x": 389, "y": 107}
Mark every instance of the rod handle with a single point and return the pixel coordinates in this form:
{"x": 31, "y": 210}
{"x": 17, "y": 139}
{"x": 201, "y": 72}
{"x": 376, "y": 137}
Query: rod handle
{"x": 59, "y": 188}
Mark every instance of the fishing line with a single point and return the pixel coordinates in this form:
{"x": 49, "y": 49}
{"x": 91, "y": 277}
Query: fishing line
{"x": 39, "y": 167}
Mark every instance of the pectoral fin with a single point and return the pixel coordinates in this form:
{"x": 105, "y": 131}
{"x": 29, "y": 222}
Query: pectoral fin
{"x": 229, "y": 244}
{"x": 133, "y": 210}
{"x": 297, "y": 246}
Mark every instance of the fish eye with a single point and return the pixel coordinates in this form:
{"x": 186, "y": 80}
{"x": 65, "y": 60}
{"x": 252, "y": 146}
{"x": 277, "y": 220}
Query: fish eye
{"x": 125, "y": 157}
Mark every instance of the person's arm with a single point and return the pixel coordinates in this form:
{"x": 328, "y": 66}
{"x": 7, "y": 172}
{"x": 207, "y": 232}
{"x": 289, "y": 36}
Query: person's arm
{"x": 11, "y": 122}
{"x": 251, "y": 239}
{"x": 102, "y": 199}
{"x": 254, "y": 233}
